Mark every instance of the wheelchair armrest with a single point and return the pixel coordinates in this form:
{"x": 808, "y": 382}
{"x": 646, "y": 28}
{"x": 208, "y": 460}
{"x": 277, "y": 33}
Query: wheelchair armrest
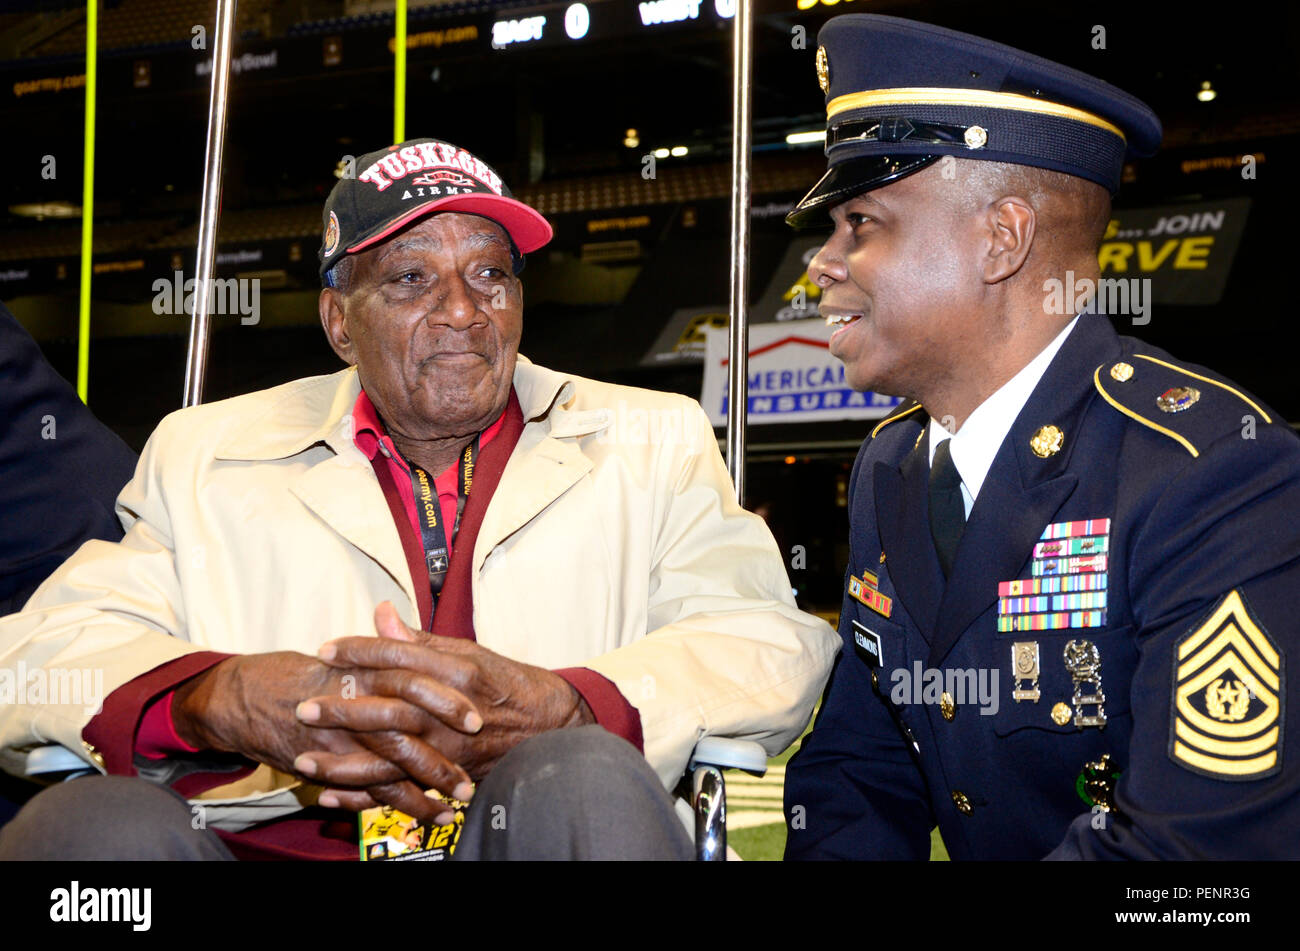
{"x": 726, "y": 753}
{"x": 48, "y": 761}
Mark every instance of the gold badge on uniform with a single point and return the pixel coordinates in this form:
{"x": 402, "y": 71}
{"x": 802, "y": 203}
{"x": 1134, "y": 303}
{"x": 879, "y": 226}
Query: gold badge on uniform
{"x": 823, "y": 70}
{"x": 1177, "y": 399}
{"x": 1122, "y": 372}
{"x": 1228, "y": 683}
{"x": 1096, "y": 783}
{"x": 1046, "y": 441}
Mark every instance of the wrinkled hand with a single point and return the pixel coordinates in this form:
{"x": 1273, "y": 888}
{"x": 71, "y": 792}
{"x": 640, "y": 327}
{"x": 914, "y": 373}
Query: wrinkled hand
{"x": 516, "y": 701}
{"x": 251, "y": 704}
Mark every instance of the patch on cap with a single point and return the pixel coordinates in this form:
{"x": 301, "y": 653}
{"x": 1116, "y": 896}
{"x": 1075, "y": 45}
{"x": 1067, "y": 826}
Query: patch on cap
{"x": 332, "y": 235}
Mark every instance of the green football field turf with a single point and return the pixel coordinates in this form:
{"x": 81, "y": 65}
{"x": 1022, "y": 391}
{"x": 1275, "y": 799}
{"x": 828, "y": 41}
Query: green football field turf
{"x": 766, "y": 843}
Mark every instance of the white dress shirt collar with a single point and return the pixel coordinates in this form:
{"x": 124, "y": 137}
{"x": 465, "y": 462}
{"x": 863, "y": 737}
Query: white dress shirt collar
{"x": 977, "y": 442}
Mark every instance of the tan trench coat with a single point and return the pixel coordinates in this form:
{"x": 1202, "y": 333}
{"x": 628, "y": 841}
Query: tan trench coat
{"x": 612, "y": 542}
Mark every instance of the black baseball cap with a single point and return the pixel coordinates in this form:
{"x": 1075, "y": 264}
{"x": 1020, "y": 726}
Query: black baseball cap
{"x": 400, "y": 184}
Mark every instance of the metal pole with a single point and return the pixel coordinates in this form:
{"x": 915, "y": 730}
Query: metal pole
{"x": 196, "y": 360}
{"x": 87, "y": 203}
{"x": 738, "y": 332}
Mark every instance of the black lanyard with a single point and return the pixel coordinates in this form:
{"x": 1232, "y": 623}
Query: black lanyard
{"x": 428, "y": 513}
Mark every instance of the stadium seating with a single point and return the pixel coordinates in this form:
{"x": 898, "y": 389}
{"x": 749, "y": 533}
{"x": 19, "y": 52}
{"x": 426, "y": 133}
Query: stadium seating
{"x": 144, "y": 23}
{"x": 63, "y": 238}
{"x": 674, "y": 182}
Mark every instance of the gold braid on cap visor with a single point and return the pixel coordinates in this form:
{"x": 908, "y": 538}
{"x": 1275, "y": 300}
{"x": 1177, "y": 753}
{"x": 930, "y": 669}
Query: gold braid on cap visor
{"x": 934, "y": 96}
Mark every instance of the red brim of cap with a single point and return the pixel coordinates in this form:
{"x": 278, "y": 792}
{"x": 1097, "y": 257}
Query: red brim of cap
{"x": 526, "y": 226}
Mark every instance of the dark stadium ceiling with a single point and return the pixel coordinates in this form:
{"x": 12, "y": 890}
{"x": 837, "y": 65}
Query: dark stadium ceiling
{"x": 562, "y": 110}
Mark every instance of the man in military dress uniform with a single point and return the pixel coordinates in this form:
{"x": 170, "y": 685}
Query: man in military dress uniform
{"x": 1105, "y": 538}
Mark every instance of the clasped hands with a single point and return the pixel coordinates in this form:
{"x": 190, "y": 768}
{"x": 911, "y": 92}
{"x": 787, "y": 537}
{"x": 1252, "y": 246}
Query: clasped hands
{"x": 377, "y": 720}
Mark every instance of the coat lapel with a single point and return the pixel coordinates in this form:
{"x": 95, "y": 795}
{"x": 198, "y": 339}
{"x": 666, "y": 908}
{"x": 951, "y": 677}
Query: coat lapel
{"x": 1022, "y": 491}
{"x": 343, "y": 492}
{"x": 342, "y": 489}
{"x": 547, "y": 462}
{"x": 903, "y": 522}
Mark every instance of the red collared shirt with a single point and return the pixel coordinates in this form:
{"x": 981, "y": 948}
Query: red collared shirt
{"x": 371, "y": 437}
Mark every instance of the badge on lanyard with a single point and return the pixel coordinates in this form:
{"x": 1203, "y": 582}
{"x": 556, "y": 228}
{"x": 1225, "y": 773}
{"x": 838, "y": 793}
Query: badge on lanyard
{"x": 390, "y": 835}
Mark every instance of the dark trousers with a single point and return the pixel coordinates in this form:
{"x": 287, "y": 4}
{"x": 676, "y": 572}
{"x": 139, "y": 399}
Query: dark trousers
{"x": 580, "y": 793}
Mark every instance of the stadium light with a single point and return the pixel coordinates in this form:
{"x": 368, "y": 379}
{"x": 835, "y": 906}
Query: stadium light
{"x": 1207, "y": 92}
{"x": 678, "y": 151}
{"x": 806, "y": 138}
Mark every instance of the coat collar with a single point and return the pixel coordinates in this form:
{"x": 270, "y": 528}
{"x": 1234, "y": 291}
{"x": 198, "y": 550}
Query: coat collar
{"x": 344, "y": 493}
{"x": 302, "y": 414}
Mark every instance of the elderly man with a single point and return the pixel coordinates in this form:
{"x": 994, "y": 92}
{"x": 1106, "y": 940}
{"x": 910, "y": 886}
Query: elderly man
{"x": 1070, "y": 601}
{"x": 533, "y": 573}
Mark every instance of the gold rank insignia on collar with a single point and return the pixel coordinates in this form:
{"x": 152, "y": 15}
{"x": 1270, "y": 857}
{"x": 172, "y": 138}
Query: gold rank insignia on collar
{"x": 1047, "y": 441}
{"x": 1225, "y": 720}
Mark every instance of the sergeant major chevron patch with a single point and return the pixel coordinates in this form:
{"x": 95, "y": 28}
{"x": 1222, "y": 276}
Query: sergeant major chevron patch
{"x": 1226, "y": 713}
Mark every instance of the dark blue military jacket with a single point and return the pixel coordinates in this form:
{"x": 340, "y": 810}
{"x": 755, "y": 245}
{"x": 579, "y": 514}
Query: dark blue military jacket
{"x": 60, "y": 468}
{"x": 1201, "y": 619}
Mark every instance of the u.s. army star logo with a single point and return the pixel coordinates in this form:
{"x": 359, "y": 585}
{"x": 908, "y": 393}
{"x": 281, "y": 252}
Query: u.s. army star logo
{"x": 1226, "y": 717}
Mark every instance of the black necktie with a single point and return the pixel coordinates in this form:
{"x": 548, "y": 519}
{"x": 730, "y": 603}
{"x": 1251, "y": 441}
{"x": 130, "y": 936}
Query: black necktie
{"x": 947, "y": 510}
